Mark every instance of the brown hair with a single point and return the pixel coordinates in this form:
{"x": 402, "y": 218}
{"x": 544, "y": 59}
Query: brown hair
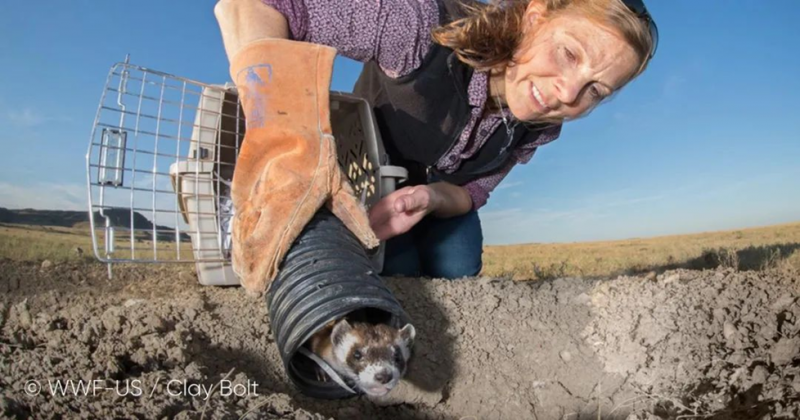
{"x": 486, "y": 36}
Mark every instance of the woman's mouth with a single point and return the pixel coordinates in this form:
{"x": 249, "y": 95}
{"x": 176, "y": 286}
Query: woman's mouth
{"x": 538, "y": 100}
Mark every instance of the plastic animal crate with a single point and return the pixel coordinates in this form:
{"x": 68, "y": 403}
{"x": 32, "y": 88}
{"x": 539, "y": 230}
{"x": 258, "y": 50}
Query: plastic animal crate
{"x": 160, "y": 162}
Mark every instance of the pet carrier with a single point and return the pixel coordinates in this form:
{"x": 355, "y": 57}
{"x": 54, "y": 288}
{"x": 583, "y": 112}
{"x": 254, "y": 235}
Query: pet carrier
{"x": 160, "y": 162}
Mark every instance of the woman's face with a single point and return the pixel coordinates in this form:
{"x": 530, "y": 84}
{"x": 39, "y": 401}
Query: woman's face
{"x": 569, "y": 65}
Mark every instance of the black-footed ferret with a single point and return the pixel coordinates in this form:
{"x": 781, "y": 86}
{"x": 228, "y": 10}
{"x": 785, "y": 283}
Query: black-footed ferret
{"x": 373, "y": 356}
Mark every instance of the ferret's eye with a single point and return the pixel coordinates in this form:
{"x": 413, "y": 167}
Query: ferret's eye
{"x": 357, "y": 355}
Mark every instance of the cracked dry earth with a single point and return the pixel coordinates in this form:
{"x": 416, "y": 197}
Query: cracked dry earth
{"x": 703, "y": 344}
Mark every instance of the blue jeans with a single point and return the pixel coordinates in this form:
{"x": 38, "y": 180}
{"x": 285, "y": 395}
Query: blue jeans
{"x": 441, "y": 248}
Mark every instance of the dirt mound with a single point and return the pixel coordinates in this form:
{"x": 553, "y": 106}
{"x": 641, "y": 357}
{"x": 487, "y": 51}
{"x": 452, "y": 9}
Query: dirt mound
{"x": 720, "y": 343}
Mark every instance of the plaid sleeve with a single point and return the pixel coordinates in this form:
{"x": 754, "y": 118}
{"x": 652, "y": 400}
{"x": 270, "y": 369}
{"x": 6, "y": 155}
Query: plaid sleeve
{"x": 394, "y": 33}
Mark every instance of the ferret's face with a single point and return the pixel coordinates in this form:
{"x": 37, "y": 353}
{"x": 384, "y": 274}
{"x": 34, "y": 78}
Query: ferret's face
{"x": 374, "y": 356}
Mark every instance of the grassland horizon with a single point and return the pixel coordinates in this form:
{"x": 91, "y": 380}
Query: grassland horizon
{"x": 768, "y": 247}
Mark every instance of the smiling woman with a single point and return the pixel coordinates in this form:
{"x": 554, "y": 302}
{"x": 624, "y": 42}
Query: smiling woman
{"x": 462, "y": 91}
{"x": 554, "y": 60}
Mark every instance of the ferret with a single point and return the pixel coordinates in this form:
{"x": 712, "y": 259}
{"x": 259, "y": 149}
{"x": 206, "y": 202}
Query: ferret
{"x": 372, "y": 356}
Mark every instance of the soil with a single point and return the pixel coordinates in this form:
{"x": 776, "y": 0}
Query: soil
{"x": 707, "y": 344}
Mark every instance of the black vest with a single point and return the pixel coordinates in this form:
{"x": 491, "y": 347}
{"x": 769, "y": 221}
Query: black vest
{"x": 421, "y": 116}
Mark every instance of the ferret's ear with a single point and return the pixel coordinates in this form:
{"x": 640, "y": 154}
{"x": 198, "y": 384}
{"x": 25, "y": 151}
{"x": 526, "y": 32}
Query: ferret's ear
{"x": 339, "y": 331}
{"x": 407, "y": 334}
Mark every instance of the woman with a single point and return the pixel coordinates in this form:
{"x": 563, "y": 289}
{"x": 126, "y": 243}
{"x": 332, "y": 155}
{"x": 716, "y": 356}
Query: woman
{"x": 460, "y": 98}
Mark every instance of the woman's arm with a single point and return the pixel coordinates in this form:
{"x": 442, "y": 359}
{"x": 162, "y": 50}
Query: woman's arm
{"x": 395, "y": 34}
{"x": 245, "y": 21}
{"x": 450, "y": 200}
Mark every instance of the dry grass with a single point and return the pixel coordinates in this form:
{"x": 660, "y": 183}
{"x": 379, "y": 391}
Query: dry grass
{"x": 31, "y": 243}
{"x": 745, "y": 249}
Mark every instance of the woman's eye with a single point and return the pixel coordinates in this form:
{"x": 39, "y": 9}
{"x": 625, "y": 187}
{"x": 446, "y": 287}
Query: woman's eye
{"x": 596, "y": 95}
{"x": 570, "y": 55}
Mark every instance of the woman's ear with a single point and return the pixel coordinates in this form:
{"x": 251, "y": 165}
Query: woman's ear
{"x": 535, "y": 12}
{"x": 532, "y": 20}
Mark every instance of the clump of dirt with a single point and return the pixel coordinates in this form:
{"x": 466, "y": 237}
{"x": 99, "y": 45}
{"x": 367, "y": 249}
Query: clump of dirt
{"x": 158, "y": 344}
{"x": 723, "y": 342}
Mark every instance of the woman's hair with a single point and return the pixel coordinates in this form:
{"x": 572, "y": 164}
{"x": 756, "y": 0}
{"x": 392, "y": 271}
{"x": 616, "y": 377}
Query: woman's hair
{"x": 487, "y": 35}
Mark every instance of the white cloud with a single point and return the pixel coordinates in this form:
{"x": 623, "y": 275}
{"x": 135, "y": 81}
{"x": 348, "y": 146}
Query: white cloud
{"x": 617, "y": 199}
{"x": 30, "y": 118}
{"x": 45, "y": 196}
{"x": 73, "y": 196}
{"x": 706, "y": 203}
{"x": 536, "y": 225}
{"x": 506, "y": 185}
{"x": 495, "y": 216}
{"x": 587, "y": 216}
{"x": 144, "y": 180}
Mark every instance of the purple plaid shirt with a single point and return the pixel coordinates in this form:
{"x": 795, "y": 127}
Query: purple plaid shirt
{"x": 396, "y": 34}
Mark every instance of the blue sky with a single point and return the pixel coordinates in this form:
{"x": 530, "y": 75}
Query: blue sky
{"x": 707, "y": 139}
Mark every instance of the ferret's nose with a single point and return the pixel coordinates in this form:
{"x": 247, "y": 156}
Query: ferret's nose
{"x": 384, "y": 377}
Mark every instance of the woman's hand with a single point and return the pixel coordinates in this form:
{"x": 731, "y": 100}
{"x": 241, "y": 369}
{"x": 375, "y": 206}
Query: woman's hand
{"x": 399, "y": 211}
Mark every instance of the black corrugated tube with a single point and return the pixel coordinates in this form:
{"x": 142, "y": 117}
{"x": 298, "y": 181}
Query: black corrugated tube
{"x": 326, "y": 275}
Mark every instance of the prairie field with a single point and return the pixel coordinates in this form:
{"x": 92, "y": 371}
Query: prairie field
{"x": 744, "y": 249}
{"x": 62, "y": 244}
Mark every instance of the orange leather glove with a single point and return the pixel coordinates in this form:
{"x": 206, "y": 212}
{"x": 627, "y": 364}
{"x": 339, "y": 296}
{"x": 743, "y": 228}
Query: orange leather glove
{"x": 287, "y": 167}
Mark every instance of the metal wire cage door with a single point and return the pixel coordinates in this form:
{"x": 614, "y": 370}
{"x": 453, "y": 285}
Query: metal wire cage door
{"x": 161, "y": 159}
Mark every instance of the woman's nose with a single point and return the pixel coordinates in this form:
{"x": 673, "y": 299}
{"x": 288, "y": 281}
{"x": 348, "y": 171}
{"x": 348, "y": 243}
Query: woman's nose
{"x": 568, "y": 89}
